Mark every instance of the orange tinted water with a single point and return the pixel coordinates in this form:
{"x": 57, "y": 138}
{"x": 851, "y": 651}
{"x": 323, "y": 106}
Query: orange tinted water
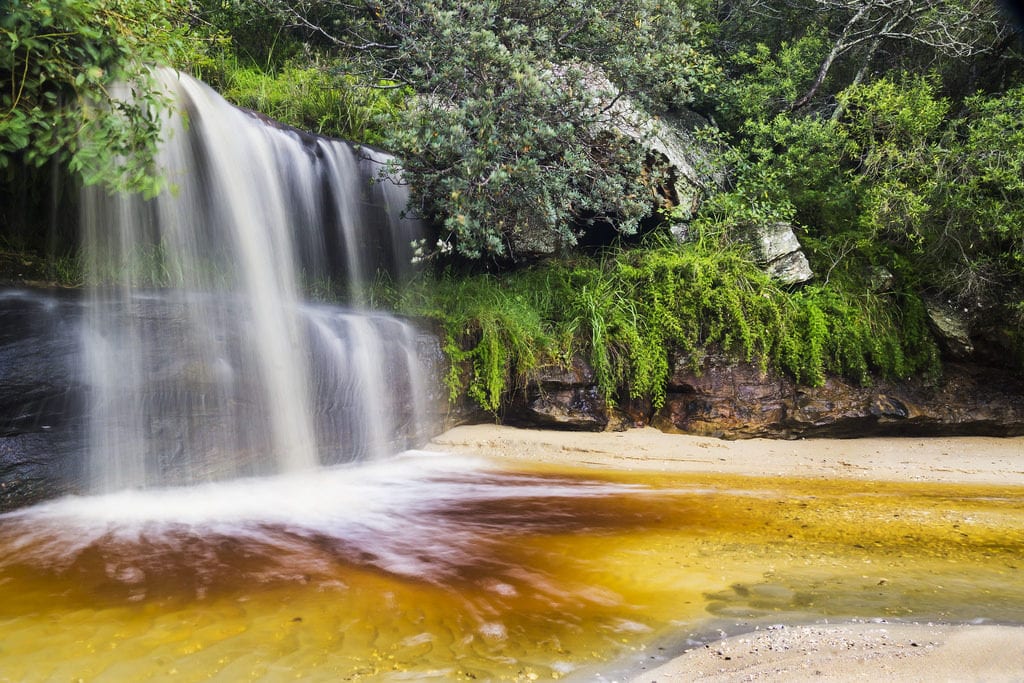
{"x": 480, "y": 573}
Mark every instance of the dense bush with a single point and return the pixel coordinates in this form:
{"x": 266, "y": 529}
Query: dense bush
{"x": 511, "y": 137}
{"x": 896, "y": 153}
{"x": 897, "y": 181}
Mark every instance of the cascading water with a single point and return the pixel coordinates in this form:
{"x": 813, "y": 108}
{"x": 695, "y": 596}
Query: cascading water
{"x": 224, "y": 372}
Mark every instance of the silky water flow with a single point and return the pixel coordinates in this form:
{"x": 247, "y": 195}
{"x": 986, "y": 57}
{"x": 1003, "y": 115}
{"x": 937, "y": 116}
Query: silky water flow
{"x": 224, "y": 371}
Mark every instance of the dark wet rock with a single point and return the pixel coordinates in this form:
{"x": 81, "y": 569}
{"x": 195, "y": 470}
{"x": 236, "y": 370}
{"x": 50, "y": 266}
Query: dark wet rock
{"x": 734, "y": 400}
{"x": 443, "y": 413}
{"x": 739, "y": 402}
{"x": 581, "y": 409}
{"x": 33, "y": 469}
{"x": 42, "y": 438}
{"x": 721, "y": 398}
{"x": 997, "y": 341}
{"x": 561, "y": 398}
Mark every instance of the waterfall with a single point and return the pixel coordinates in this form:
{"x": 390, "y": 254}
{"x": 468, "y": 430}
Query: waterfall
{"x": 222, "y": 370}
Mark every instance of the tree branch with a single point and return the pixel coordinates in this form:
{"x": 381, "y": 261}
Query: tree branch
{"x": 836, "y": 50}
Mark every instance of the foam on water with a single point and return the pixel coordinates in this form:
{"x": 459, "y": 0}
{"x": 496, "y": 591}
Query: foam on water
{"x": 403, "y": 515}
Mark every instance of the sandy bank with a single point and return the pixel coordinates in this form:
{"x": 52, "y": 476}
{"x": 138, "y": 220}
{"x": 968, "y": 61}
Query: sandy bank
{"x": 973, "y": 460}
{"x": 843, "y": 652}
{"x": 854, "y": 652}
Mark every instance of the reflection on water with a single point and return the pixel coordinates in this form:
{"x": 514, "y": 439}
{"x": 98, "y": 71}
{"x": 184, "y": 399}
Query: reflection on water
{"x": 440, "y": 568}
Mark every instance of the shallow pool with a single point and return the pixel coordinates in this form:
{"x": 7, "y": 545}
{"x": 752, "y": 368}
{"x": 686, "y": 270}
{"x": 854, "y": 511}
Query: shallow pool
{"x": 434, "y": 567}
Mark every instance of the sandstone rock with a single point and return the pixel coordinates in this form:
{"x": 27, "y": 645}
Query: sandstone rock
{"x": 736, "y": 400}
{"x": 777, "y": 249}
{"x": 579, "y": 409}
{"x": 669, "y": 140}
{"x": 739, "y": 402}
{"x": 951, "y": 329}
{"x": 562, "y": 398}
{"x": 790, "y": 269}
{"x": 724, "y": 399}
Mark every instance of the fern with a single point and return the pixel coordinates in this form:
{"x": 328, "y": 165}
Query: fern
{"x": 634, "y": 313}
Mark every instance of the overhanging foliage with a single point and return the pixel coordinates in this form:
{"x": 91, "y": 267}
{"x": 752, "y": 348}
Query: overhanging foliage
{"x": 77, "y": 86}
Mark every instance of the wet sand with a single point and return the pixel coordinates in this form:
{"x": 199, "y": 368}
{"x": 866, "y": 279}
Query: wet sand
{"x": 821, "y": 652}
{"x": 854, "y": 652}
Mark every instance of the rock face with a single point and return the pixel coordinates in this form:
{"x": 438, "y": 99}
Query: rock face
{"x": 778, "y": 251}
{"x": 42, "y": 435}
{"x": 669, "y": 144}
{"x": 736, "y": 400}
{"x": 672, "y": 143}
{"x": 561, "y": 399}
{"x": 951, "y": 330}
{"x": 45, "y": 420}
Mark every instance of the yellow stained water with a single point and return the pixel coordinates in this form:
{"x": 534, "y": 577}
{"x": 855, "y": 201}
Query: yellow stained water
{"x": 550, "y": 585}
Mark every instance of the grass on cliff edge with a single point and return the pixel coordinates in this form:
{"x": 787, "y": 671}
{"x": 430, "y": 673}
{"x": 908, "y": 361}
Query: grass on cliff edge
{"x": 632, "y": 313}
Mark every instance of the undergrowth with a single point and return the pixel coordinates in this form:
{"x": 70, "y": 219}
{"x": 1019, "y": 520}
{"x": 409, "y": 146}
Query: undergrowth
{"x": 635, "y": 314}
{"x": 494, "y": 326}
{"x": 314, "y": 98}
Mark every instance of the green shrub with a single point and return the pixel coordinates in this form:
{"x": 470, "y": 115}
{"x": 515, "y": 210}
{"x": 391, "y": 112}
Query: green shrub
{"x": 60, "y": 65}
{"x": 494, "y": 333}
{"x": 511, "y": 137}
